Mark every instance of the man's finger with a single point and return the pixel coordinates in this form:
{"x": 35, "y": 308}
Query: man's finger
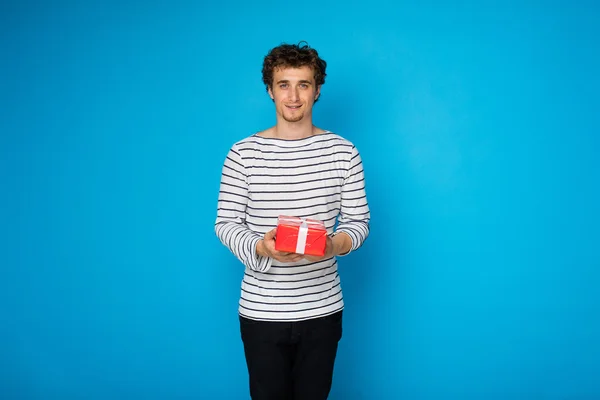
{"x": 271, "y": 234}
{"x": 312, "y": 258}
{"x": 288, "y": 257}
{"x": 297, "y": 258}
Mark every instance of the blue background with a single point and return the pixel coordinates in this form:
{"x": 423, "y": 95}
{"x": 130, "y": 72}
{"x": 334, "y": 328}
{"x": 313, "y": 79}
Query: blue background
{"x": 478, "y": 125}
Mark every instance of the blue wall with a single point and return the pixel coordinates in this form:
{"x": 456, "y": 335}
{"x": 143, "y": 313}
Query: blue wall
{"x": 478, "y": 125}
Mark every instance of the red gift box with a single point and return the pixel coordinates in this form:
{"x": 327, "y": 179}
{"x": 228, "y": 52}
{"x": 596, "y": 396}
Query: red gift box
{"x": 300, "y": 235}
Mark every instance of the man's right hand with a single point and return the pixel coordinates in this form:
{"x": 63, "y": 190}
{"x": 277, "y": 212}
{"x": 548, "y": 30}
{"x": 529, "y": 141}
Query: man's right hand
{"x": 266, "y": 248}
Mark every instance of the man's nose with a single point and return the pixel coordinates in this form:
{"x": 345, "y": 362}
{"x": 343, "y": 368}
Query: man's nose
{"x": 293, "y": 94}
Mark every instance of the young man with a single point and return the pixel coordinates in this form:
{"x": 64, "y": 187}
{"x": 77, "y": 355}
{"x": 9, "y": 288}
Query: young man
{"x": 291, "y": 305}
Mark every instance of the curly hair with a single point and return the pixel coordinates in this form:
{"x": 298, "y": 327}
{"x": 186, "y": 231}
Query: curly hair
{"x": 294, "y": 56}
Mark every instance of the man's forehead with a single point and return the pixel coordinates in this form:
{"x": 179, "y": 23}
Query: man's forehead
{"x": 304, "y": 73}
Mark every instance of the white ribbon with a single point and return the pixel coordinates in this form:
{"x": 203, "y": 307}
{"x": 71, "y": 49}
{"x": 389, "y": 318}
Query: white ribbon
{"x": 302, "y": 233}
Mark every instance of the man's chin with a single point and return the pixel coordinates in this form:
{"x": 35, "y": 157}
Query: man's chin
{"x": 293, "y": 119}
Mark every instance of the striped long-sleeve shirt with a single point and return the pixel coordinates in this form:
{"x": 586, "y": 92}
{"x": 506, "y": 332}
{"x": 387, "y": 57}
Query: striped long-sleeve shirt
{"x": 319, "y": 177}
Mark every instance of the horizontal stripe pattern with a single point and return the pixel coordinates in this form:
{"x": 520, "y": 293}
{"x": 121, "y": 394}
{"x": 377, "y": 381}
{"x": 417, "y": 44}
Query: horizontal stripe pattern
{"x": 319, "y": 177}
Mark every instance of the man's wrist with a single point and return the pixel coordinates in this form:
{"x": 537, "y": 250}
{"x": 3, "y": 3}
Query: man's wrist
{"x": 342, "y": 244}
{"x": 260, "y": 248}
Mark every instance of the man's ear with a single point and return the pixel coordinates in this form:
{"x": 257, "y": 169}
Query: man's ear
{"x": 271, "y": 93}
{"x": 318, "y": 93}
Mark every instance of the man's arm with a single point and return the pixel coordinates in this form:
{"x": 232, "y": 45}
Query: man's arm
{"x": 353, "y": 221}
{"x": 230, "y": 224}
{"x": 354, "y": 218}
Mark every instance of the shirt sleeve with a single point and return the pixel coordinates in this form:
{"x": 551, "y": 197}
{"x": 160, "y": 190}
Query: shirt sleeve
{"x": 354, "y": 215}
{"x": 230, "y": 224}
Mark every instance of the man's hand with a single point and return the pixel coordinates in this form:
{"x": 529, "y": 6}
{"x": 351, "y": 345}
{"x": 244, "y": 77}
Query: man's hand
{"x": 339, "y": 244}
{"x": 266, "y": 248}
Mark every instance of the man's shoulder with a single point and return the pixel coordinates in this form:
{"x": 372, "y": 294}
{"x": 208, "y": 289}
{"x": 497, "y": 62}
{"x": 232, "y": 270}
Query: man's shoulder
{"x": 338, "y": 139}
{"x": 246, "y": 140}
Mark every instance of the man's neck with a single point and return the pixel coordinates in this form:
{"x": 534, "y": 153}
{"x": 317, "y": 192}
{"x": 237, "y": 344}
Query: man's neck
{"x": 294, "y": 130}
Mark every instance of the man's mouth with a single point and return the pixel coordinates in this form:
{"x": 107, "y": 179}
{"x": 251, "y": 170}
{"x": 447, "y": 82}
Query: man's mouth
{"x": 293, "y": 107}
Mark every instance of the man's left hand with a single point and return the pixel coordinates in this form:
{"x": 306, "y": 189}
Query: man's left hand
{"x": 339, "y": 244}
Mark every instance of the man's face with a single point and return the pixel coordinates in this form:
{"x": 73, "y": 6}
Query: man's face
{"x": 294, "y": 92}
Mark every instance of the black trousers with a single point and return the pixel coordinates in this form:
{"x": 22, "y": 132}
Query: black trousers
{"x": 291, "y": 360}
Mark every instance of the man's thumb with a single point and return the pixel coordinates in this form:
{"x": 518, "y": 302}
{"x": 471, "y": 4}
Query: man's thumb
{"x": 271, "y": 234}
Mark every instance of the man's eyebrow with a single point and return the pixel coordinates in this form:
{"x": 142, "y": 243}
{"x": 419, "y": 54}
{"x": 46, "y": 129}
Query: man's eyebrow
{"x": 300, "y": 81}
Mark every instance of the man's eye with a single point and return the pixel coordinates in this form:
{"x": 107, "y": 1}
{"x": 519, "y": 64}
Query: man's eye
{"x": 283, "y": 85}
